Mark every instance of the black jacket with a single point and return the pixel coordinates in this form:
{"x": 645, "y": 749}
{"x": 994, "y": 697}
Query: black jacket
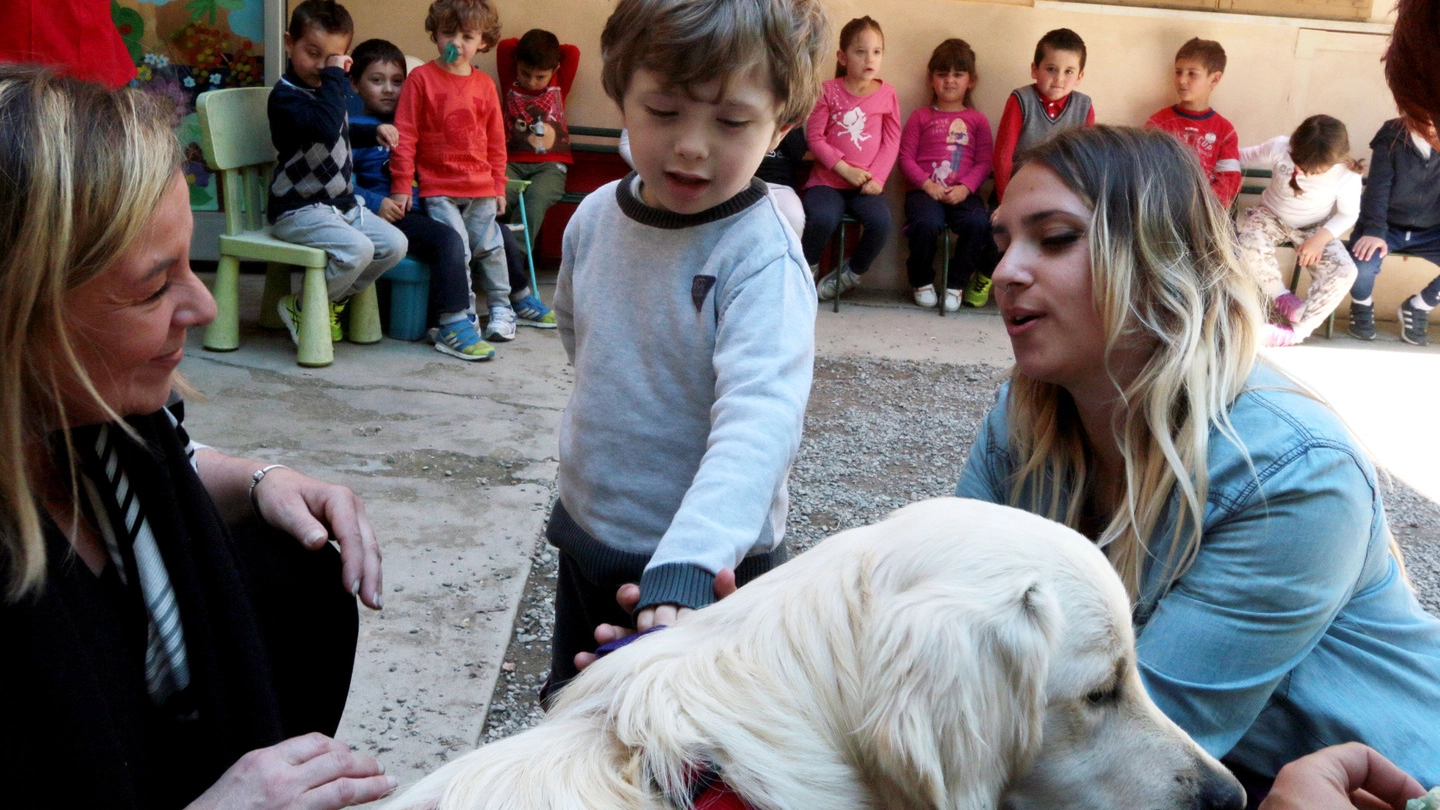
{"x": 1403, "y": 190}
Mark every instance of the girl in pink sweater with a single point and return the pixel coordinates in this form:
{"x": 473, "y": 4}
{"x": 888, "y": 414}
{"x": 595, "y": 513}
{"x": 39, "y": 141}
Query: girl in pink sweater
{"x": 854, "y": 133}
{"x": 945, "y": 154}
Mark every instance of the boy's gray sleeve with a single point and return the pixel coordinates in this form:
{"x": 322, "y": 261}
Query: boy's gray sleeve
{"x": 763, "y": 362}
{"x": 563, "y": 303}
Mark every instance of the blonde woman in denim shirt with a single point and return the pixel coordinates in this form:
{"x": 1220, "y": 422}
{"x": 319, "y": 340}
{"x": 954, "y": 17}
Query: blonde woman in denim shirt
{"x": 1271, "y": 609}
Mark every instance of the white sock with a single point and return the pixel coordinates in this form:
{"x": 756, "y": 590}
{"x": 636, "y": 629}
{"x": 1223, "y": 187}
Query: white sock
{"x": 1418, "y": 302}
{"x": 1368, "y": 302}
{"x": 447, "y": 318}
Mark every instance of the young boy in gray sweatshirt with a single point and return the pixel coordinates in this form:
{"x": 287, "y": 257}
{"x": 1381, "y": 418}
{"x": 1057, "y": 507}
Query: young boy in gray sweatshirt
{"x": 688, "y": 311}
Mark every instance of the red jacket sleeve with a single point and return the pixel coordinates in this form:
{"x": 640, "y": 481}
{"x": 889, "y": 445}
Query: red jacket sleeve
{"x": 407, "y": 121}
{"x": 569, "y": 64}
{"x": 1090, "y": 117}
{"x": 494, "y": 138}
{"x": 1227, "y": 183}
{"x": 1005, "y": 139}
{"x": 505, "y": 62}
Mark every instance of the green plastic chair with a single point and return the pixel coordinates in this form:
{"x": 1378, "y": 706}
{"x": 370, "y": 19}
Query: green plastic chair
{"x": 235, "y": 136}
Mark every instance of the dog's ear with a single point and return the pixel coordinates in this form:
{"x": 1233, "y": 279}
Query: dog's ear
{"x": 953, "y": 690}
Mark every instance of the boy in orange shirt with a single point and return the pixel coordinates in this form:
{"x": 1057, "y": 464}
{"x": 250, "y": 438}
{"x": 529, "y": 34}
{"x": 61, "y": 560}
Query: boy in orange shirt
{"x": 453, "y": 135}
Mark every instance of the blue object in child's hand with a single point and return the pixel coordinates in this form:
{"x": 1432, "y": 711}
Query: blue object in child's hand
{"x": 609, "y": 647}
{"x": 452, "y": 53}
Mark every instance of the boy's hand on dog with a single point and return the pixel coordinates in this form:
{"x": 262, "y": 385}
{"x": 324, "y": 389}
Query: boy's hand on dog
{"x": 628, "y": 596}
{"x": 1342, "y": 777}
{"x": 312, "y": 772}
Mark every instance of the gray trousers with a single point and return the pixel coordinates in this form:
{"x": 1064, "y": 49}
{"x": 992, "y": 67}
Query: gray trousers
{"x": 474, "y": 218}
{"x": 360, "y": 245}
{"x": 1330, "y": 278}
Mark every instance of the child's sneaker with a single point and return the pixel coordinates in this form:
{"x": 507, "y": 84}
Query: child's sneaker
{"x": 289, "y": 309}
{"x": 925, "y": 296}
{"x": 459, "y": 339}
{"x": 837, "y": 282}
{"x": 337, "y": 334}
{"x": 531, "y": 311}
{"x": 502, "y": 323}
{"x": 1276, "y": 335}
{"x": 1413, "y": 323}
{"x": 1289, "y": 306}
{"x": 977, "y": 292}
{"x": 1362, "y": 322}
{"x": 952, "y": 300}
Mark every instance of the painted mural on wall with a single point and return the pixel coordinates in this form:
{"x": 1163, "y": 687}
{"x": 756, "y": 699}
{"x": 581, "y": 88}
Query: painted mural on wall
{"x": 181, "y": 48}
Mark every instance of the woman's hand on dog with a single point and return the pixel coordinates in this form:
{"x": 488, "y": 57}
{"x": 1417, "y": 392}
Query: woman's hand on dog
{"x": 1342, "y": 777}
{"x": 313, "y": 772}
{"x": 628, "y": 596}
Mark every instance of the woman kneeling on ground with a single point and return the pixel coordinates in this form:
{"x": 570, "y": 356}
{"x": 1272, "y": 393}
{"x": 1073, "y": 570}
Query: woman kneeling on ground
{"x": 1271, "y": 611}
{"x": 152, "y": 658}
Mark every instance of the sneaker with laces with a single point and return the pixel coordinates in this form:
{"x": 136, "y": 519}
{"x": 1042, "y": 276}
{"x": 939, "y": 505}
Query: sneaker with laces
{"x": 1413, "y": 323}
{"x": 337, "y": 333}
{"x": 1289, "y": 306}
{"x": 977, "y": 292}
{"x": 1362, "y": 322}
{"x": 501, "y": 326}
{"x": 952, "y": 300}
{"x": 289, "y": 309}
{"x": 837, "y": 282}
{"x": 925, "y": 296}
{"x": 459, "y": 339}
{"x": 1277, "y": 335}
{"x": 531, "y": 311}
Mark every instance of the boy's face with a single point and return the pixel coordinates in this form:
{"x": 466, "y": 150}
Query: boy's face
{"x": 467, "y": 44}
{"x": 309, "y": 52}
{"x": 1057, "y": 74}
{"x": 1193, "y": 84}
{"x": 532, "y": 79}
{"x": 691, "y": 154}
{"x": 379, "y": 87}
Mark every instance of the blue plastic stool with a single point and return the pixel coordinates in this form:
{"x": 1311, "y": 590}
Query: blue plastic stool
{"x": 409, "y": 298}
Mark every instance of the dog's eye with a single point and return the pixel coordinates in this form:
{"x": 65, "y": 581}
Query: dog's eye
{"x": 1103, "y": 697}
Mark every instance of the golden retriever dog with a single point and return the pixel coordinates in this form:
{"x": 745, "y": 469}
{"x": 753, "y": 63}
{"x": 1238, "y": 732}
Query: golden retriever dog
{"x": 955, "y": 655}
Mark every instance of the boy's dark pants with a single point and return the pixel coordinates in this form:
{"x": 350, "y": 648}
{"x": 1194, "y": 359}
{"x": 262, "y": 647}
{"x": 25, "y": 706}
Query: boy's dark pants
{"x": 1423, "y": 243}
{"x": 585, "y": 599}
{"x": 443, "y": 249}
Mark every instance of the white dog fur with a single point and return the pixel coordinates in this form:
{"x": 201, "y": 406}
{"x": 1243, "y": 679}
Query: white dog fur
{"x": 955, "y": 655}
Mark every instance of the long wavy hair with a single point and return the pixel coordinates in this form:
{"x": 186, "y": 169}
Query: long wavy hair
{"x": 82, "y": 169}
{"x": 1164, "y": 273}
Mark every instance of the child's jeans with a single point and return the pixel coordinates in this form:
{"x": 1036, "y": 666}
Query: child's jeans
{"x": 1425, "y": 244}
{"x": 474, "y": 217}
{"x": 824, "y": 206}
{"x": 547, "y": 186}
{"x": 925, "y": 222}
{"x": 1330, "y": 278}
{"x": 360, "y": 245}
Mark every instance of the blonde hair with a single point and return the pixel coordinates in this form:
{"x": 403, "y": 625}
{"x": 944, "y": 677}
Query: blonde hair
{"x": 1164, "y": 274}
{"x": 83, "y": 168}
{"x": 690, "y": 42}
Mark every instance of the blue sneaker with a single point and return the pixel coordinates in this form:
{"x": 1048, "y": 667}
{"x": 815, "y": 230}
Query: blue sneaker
{"x": 531, "y": 311}
{"x": 459, "y": 339}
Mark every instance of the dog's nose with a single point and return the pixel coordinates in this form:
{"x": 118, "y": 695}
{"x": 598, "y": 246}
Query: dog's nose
{"x": 1221, "y": 791}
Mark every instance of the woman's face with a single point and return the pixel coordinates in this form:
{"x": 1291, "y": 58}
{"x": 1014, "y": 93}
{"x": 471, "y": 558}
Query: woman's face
{"x": 1042, "y": 284}
{"x": 128, "y": 324}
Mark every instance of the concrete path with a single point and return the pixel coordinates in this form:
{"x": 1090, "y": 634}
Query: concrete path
{"x": 456, "y": 463}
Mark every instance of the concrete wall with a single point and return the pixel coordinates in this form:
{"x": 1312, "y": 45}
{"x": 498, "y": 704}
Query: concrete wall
{"x": 1280, "y": 70}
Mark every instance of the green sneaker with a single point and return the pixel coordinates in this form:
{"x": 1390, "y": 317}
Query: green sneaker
{"x": 977, "y": 292}
{"x": 459, "y": 339}
{"x": 337, "y": 334}
{"x": 289, "y": 309}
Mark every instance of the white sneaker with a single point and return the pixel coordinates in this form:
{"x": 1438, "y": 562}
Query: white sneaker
{"x": 952, "y": 300}
{"x": 502, "y": 323}
{"x": 925, "y": 296}
{"x": 837, "y": 283}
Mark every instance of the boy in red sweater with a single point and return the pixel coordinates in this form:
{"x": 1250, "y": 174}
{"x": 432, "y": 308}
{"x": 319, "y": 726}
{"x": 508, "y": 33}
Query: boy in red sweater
{"x": 536, "y": 72}
{"x": 453, "y": 136}
{"x": 1199, "y": 64}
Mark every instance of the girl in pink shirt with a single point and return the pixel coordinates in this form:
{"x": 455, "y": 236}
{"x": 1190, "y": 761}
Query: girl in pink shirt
{"x": 854, "y": 133}
{"x": 945, "y": 154}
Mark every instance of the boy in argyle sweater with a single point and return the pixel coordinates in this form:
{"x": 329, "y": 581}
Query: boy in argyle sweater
{"x": 312, "y": 195}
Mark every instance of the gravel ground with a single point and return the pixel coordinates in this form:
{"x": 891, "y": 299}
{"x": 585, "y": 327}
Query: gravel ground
{"x": 878, "y": 434}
